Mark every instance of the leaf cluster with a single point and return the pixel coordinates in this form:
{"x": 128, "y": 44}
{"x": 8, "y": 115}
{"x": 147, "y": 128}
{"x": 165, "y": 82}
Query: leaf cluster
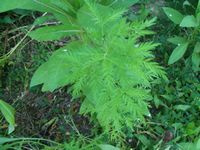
{"x": 191, "y": 26}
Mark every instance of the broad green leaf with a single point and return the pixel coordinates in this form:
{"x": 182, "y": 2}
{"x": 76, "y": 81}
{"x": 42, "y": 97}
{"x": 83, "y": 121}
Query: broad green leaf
{"x": 8, "y": 112}
{"x": 187, "y": 146}
{"x": 173, "y": 15}
{"x": 108, "y": 147}
{"x": 55, "y": 72}
{"x": 178, "y": 53}
{"x": 52, "y": 74}
{"x": 177, "y": 40}
{"x": 53, "y": 32}
{"x": 7, "y": 5}
{"x": 63, "y": 15}
{"x": 198, "y": 144}
{"x": 189, "y": 21}
{"x": 4, "y": 140}
{"x": 36, "y": 5}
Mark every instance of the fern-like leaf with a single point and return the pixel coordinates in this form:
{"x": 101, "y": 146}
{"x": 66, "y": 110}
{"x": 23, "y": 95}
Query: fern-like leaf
{"x": 109, "y": 66}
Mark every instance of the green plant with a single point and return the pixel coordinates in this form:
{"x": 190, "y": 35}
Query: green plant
{"x": 114, "y": 90}
{"x": 106, "y": 63}
{"x": 8, "y": 112}
{"x": 31, "y": 143}
{"x": 177, "y": 106}
{"x": 188, "y": 38}
{"x": 45, "y": 144}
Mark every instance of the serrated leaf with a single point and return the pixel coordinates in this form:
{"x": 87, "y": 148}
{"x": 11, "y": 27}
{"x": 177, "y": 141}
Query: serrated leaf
{"x": 8, "y": 112}
{"x": 189, "y": 21}
{"x": 173, "y": 15}
{"x": 178, "y": 53}
{"x": 98, "y": 18}
{"x": 177, "y": 40}
{"x": 53, "y": 32}
{"x": 108, "y": 147}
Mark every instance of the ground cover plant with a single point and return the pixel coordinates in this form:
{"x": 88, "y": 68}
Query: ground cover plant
{"x": 99, "y": 74}
{"x": 189, "y": 38}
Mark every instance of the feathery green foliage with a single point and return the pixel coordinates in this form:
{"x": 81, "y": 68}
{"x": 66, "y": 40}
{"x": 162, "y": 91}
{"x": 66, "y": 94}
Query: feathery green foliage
{"x": 108, "y": 65}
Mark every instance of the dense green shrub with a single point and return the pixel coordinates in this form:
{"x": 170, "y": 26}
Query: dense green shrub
{"x": 105, "y": 63}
